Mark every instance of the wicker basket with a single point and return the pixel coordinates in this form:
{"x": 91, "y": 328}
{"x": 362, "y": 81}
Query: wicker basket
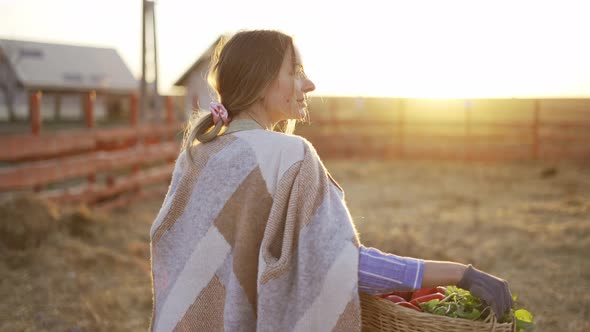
{"x": 383, "y": 315}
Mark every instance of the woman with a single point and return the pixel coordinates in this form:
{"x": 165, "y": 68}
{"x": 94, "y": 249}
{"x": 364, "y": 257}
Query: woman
{"x": 254, "y": 234}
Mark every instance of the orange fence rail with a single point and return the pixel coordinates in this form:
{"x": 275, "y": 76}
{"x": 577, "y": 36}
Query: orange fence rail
{"x": 29, "y": 147}
{"x": 103, "y": 166}
{"x": 394, "y": 136}
{"x": 111, "y": 166}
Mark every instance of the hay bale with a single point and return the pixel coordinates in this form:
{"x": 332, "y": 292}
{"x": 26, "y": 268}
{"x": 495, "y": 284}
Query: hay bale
{"x": 81, "y": 223}
{"x": 26, "y": 221}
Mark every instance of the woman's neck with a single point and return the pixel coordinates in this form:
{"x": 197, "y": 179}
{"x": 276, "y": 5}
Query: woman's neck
{"x": 259, "y": 115}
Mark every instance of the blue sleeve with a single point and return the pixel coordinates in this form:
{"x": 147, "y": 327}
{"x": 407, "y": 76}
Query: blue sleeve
{"x": 381, "y": 272}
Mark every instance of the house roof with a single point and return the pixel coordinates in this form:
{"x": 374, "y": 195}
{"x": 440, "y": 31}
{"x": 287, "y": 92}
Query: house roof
{"x": 204, "y": 58}
{"x": 47, "y": 66}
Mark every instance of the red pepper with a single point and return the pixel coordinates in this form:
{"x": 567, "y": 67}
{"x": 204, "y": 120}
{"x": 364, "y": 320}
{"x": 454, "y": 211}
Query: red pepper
{"x": 409, "y": 305}
{"x": 406, "y": 295}
{"x": 423, "y": 291}
{"x": 426, "y": 298}
{"x": 395, "y": 298}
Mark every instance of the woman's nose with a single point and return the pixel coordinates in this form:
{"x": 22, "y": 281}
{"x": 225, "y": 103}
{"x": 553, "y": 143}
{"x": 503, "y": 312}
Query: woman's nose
{"x": 308, "y": 86}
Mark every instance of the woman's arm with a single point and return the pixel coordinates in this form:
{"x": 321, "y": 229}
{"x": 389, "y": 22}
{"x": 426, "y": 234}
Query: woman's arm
{"x": 380, "y": 271}
{"x": 491, "y": 289}
{"x": 439, "y": 273}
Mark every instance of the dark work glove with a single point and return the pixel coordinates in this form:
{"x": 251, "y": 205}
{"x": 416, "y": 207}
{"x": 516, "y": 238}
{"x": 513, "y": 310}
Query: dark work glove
{"x": 494, "y": 291}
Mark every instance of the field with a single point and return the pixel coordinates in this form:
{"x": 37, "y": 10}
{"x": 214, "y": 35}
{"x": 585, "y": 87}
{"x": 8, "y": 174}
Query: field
{"x": 529, "y": 223}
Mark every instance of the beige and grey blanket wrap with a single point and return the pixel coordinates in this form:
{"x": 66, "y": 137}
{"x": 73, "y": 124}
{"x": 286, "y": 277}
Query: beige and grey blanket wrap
{"x": 254, "y": 236}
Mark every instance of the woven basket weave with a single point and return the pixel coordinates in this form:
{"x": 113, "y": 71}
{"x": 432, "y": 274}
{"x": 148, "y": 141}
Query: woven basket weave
{"x": 385, "y": 316}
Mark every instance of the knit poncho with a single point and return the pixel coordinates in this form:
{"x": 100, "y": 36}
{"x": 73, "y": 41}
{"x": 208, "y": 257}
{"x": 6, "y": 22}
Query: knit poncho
{"x": 254, "y": 236}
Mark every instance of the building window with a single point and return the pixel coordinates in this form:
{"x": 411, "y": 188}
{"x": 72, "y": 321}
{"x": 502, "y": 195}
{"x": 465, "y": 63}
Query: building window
{"x": 99, "y": 79}
{"x": 72, "y": 77}
{"x": 31, "y": 53}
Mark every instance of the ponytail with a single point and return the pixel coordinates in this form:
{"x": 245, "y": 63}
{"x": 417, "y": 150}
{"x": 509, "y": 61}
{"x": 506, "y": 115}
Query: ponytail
{"x": 202, "y": 129}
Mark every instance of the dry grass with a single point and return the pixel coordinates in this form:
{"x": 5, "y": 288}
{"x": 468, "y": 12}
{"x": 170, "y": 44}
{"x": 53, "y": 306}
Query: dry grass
{"x": 91, "y": 273}
{"x": 526, "y": 222}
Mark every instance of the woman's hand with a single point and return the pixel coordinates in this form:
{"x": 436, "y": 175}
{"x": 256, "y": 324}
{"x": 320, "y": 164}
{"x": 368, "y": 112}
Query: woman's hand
{"x": 493, "y": 290}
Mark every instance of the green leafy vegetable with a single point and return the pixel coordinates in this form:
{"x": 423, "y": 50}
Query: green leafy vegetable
{"x": 460, "y": 303}
{"x": 524, "y": 320}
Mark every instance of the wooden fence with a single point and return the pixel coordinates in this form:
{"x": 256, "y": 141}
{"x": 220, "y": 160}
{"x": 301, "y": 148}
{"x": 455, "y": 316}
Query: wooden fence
{"x": 110, "y": 167}
{"x": 107, "y": 167}
{"x": 466, "y": 133}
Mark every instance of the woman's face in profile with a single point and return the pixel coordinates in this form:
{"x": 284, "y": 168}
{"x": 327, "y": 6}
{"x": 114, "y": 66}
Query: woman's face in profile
{"x": 285, "y": 99}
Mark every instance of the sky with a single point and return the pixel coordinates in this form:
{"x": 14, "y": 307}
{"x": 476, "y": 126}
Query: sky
{"x": 412, "y": 48}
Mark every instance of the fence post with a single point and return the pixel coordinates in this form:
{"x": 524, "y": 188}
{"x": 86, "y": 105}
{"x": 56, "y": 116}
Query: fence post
{"x": 35, "y": 112}
{"x": 466, "y": 143}
{"x": 89, "y": 99}
{"x": 170, "y": 115}
{"x": 134, "y": 109}
{"x": 57, "y": 107}
{"x": 334, "y": 149}
{"x": 401, "y": 127}
{"x": 134, "y": 120}
{"x": 535, "y": 147}
{"x": 36, "y": 121}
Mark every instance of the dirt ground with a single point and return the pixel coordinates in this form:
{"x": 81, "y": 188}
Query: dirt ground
{"x": 529, "y": 223}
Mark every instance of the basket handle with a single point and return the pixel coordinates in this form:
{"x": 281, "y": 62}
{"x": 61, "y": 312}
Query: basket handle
{"x": 494, "y": 321}
{"x": 493, "y": 315}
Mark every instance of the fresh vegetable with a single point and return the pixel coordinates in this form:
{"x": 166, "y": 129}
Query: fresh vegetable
{"x": 524, "y": 320}
{"x": 409, "y": 305}
{"x": 423, "y": 291}
{"x": 456, "y": 303}
{"x": 407, "y": 295}
{"x": 461, "y": 303}
{"x": 452, "y": 301}
{"x": 426, "y": 298}
{"x": 395, "y": 298}
{"x": 441, "y": 289}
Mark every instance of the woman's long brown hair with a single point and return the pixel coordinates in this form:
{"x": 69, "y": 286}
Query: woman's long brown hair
{"x": 241, "y": 70}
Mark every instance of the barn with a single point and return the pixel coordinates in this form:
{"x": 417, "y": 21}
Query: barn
{"x": 64, "y": 76}
{"x": 198, "y": 92}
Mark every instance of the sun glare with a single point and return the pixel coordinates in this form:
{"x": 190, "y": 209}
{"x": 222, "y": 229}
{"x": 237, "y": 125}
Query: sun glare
{"x": 438, "y": 52}
{"x": 397, "y": 48}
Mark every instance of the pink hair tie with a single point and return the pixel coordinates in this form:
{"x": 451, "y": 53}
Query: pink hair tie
{"x": 219, "y": 112}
